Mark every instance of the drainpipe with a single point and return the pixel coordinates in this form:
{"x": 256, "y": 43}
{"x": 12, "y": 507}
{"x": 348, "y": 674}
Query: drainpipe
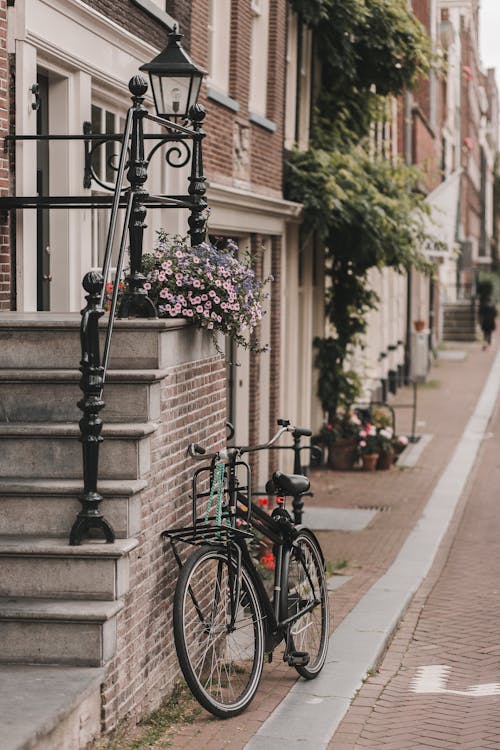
{"x": 408, "y": 157}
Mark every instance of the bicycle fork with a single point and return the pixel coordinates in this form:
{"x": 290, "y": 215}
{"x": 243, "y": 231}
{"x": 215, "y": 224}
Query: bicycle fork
{"x": 291, "y": 656}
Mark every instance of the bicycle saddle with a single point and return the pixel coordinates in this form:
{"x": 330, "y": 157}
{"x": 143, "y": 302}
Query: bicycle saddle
{"x": 290, "y": 484}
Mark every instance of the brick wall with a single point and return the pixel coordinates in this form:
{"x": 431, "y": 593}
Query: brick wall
{"x": 255, "y": 395}
{"x": 145, "y": 668}
{"x": 132, "y": 18}
{"x": 266, "y": 147}
{"x": 424, "y": 150}
{"x": 275, "y": 354}
{"x": 226, "y": 127}
{"x": 5, "y": 252}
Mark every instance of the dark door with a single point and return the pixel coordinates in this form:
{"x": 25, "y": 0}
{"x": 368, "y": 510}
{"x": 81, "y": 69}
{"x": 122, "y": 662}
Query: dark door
{"x": 42, "y": 186}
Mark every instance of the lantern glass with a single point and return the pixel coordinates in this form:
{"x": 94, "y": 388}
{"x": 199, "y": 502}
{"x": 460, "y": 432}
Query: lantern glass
{"x": 174, "y": 95}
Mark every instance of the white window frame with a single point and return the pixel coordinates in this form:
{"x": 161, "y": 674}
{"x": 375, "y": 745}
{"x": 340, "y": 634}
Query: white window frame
{"x": 259, "y": 58}
{"x": 219, "y": 44}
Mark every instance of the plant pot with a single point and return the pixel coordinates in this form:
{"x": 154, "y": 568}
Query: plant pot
{"x": 385, "y": 460}
{"x": 419, "y": 325}
{"x": 369, "y": 461}
{"x": 342, "y": 454}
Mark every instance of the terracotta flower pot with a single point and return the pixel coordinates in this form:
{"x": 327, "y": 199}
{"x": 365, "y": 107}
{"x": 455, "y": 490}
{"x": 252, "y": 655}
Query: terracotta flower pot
{"x": 342, "y": 454}
{"x": 385, "y": 460}
{"x": 369, "y": 461}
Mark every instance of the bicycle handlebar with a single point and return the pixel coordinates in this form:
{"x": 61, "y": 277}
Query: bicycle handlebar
{"x": 197, "y": 451}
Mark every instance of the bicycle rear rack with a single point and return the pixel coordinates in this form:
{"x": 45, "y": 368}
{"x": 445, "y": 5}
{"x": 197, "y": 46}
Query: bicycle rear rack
{"x": 206, "y": 533}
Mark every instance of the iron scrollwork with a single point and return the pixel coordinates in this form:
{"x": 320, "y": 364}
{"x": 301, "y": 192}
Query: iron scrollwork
{"x": 176, "y": 155}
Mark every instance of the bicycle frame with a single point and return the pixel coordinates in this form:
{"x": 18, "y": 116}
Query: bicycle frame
{"x": 276, "y": 626}
{"x": 280, "y": 530}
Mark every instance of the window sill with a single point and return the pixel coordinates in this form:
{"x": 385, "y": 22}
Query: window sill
{"x": 263, "y": 122}
{"x": 158, "y": 14}
{"x": 224, "y": 99}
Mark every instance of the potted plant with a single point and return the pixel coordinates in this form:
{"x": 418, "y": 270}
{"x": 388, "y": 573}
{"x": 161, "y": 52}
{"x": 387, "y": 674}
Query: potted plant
{"x": 369, "y": 447}
{"x": 340, "y": 437}
{"x": 207, "y": 285}
{"x": 399, "y": 443}
{"x": 385, "y": 441}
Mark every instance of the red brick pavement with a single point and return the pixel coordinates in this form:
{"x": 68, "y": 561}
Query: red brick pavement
{"x": 452, "y": 621}
{"x": 444, "y": 406}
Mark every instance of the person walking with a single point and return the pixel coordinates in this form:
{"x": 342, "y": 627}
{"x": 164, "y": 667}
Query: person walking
{"x": 487, "y": 316}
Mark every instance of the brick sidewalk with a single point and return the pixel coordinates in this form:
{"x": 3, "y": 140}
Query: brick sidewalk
{"x": 439, "y": 683}
{"x": 444, "y": 406}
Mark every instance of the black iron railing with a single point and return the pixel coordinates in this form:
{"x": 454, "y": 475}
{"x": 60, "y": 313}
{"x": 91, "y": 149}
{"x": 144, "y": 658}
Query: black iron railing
{"x": 135, "y": 301}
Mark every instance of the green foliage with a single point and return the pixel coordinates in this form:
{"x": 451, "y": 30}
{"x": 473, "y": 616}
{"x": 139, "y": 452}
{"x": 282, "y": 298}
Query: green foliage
{"x": 337, "y": 387}
{"x": 364, "y": 45}
{"x": 367, "y": 211}
{"x": 488, "y": 286}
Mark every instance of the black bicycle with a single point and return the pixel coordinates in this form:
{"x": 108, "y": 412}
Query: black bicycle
{"x": 224, "y": 620}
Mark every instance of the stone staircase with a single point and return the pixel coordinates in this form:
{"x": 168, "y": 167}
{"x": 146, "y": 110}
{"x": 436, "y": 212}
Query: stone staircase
{"x": 58, "y": 604}
{"x": 460, "y": 321}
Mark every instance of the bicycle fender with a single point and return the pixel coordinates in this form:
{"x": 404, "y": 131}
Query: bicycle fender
{"x": 300, "y": 528}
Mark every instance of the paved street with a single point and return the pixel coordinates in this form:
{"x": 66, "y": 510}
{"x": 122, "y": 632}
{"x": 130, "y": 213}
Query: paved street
{"x": 446, "y": 640}
{"x": 439, "y": 684}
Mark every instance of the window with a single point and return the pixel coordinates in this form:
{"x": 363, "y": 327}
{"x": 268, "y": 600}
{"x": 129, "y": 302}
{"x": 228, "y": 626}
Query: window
{"x": 258, "y": 59}
{"x": 298, "y": 83}
{"x": 104, "y": 163}
{"x": 219, "y": 32}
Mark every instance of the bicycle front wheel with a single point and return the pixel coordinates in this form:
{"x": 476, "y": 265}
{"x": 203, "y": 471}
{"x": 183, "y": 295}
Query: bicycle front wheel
{"x": 306, "y": 586}
{"x": 219, "y": 642}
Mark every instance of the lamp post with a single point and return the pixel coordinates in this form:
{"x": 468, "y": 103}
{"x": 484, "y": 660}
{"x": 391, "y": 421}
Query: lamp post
{"x": 175, "y": 82}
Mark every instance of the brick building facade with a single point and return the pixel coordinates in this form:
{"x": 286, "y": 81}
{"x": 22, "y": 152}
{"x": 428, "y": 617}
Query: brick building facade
{"x": 81, "y": 55}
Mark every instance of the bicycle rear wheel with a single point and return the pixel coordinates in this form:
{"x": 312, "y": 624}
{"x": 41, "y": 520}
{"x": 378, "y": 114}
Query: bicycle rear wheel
{"x": 307, "y": 584}
{"x": 221, "y": 662}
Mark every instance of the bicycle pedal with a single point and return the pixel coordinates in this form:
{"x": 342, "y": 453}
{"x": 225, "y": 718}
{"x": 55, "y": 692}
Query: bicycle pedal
{"x": 297, "y": 658}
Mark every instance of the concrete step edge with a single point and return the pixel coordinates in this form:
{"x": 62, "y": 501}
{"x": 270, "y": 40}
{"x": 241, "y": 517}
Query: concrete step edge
{"x": 39, "y": 698}
{"x": 59, "y": 610}
{"x": 71, "y": 321}
{"x": 65, "y": 487}
{"x": 11, "y": 546}
{"x": 71, "y": 429}
{"x": 73, "y": 376}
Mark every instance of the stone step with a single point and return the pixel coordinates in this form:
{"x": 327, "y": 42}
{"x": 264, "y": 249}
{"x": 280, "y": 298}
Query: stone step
{"x": 51, "y": 341}
{"x": 41, "y": 450}
{"x": 49, "y": 507}
{"x": 51, "y": 631}
{"x": 52, "y": 395}
{"x": 49, "y": 708}
{"x": 459, "y": 336}
{"x": 459, "y": 329}
{"x": 46, "y": 568}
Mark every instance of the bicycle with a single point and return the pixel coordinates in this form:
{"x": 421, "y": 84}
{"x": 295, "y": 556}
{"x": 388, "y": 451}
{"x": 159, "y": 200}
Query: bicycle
{"x": 224, "y": 621}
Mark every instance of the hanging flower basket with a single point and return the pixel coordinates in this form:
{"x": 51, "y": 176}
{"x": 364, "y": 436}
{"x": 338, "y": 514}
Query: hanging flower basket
{"x": 213, "y": 286}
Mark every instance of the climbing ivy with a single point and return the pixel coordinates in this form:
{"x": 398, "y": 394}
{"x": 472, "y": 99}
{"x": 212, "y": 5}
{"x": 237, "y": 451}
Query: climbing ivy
{"x": 367, "y": 210}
